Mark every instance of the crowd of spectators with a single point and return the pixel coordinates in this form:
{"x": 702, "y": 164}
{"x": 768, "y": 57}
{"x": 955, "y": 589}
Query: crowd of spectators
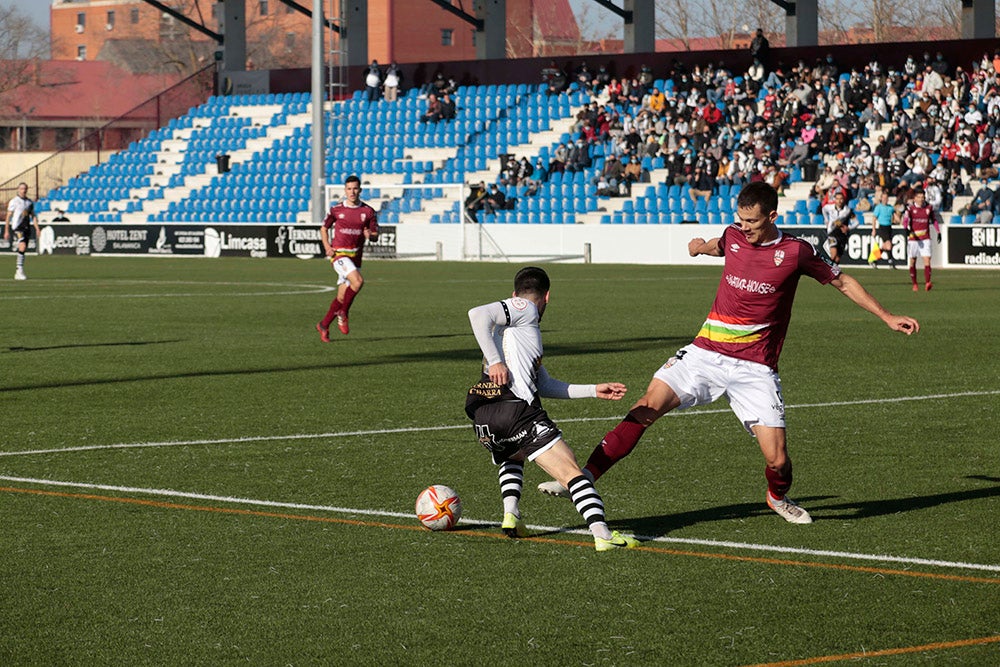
{"x": 922, "y": 124}
{"x": 933, "y": 125}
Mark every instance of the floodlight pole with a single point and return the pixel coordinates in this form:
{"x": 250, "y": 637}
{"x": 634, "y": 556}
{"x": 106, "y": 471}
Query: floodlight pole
{"x": 317, "y": 206}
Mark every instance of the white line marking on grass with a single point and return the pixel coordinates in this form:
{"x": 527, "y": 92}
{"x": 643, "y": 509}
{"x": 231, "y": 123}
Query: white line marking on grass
{"x": 170, "y": 493}
{"x": 421, "y": 429}
{"x": 293, "y": 289}
{"x": 255, "y": 438}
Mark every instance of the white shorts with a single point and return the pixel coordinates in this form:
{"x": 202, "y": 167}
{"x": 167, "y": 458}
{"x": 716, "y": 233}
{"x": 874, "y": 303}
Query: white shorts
{"x": 700, "y": 377}
{"x": 921, "y": 247}
{"x": 344, "y": 266}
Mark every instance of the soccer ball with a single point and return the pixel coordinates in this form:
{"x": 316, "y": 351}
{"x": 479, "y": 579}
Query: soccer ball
{"x": 439, "y": 507}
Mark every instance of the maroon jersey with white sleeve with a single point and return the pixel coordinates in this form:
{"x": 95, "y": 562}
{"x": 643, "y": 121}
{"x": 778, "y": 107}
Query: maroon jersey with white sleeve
{"x": 753, "y": 305}
{"x": 918, "y": 220}
{"x": 349, "y": 223}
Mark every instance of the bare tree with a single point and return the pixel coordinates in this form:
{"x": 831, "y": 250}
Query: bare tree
{"x": 22, "y": 45}
{"x": 840, "y": 21}
{"x": 943, "y": 14}
{"x": 593, "y": 30}
{"x": 727, "y": 21}
{"x": 878, "y": 21}
{"x": 675, "y": 21}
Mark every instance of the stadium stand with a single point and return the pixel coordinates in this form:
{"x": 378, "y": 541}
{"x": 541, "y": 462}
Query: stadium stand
{"x": 176, "y": 174}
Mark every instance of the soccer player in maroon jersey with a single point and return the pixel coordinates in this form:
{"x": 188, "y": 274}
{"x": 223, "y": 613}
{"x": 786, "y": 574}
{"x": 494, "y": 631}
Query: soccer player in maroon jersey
{"x": 736, "y": 352}
{"x": 917, "y": 221}
{"x": 353, "y": 222}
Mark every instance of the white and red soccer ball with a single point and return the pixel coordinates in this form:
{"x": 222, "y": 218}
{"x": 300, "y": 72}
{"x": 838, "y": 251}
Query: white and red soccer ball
{"x": 439, "y": 507}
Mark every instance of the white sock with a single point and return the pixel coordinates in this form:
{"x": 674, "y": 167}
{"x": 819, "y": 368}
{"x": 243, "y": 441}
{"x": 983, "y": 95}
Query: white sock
{"x": 601, "y": 530}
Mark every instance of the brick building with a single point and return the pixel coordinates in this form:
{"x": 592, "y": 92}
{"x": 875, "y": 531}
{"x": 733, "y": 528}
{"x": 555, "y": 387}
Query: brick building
{"x": 127, "y": 31}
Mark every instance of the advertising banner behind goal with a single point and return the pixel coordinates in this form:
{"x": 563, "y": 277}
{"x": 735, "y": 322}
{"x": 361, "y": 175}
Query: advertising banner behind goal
{"x": 216, "y": 240}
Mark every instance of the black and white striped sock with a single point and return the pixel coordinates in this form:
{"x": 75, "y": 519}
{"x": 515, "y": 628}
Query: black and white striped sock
{"x": 589, "y": 504}
{"x": 511, "y": 476}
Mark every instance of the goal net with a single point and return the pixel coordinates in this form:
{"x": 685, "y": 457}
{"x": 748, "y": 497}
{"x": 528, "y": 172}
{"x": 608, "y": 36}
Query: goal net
{"x": 439, "y": 208}
{"x": 396, "y": 203}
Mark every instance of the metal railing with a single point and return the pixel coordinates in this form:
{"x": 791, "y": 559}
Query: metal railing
{"x": 113, "y": 136}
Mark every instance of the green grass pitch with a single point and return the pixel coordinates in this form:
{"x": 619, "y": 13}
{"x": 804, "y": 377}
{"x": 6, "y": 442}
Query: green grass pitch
{"x": 190, "y": 477}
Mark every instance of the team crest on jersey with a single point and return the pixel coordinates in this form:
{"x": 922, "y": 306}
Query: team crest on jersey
{"x": 779, "y": 257}
{"x": 364, "y": 216}
{"x": 519, "y": 303}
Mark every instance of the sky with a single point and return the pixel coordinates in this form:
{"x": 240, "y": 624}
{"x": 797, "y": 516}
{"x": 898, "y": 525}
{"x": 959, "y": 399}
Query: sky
{"x": 37, "y": 10}
{"x": 599, "y": 20}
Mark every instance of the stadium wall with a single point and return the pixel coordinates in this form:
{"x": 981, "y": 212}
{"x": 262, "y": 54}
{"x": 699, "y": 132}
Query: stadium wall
{"x": 975, "y": 246}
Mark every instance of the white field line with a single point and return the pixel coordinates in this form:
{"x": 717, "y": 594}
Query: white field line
{"x": 169, "y": 493}
{"x": 290, "y": 290}
{"x": 293, "y": 290}
{"x": 419, "y": 429}
{"x": 344, "y": 510}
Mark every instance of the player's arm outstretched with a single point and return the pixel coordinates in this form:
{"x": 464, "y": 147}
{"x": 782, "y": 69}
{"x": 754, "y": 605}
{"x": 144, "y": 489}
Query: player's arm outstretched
{"x": 854, "y": 291}
{"x": 699, "y": 246}
{"x": 483, "y": 319}
{"x": 549, "y": 387}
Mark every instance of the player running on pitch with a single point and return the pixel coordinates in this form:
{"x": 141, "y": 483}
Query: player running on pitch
{"x": 506, "y": 408}
{"x": 353, "y": 223}
{"x": 21, "y": 219}
{"x": 736, "y": 352}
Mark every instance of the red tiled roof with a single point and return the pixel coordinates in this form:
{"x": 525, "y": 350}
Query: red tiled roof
{"x": 68, "y": 89}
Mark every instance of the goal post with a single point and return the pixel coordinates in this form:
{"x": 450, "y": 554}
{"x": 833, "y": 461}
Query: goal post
{"x": 421, "y": 203}
{"x": 441, "y": 205}
{"x": 399, "y": 202}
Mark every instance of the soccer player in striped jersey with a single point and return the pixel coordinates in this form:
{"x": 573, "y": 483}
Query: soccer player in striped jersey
{"x": 735, "y": 354}
{"x": 506, "y": 409}
{"x": 353, "y": 222}
{"x": 18, "y": 225}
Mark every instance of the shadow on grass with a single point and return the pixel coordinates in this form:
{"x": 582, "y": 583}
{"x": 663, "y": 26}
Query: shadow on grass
{"x": 667, "y": 523}
{"x": 46, "y": 348}
{"x": 817, "y": 506}
{"x": 470, "y": 354}
{"x": 871, "y": 508}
